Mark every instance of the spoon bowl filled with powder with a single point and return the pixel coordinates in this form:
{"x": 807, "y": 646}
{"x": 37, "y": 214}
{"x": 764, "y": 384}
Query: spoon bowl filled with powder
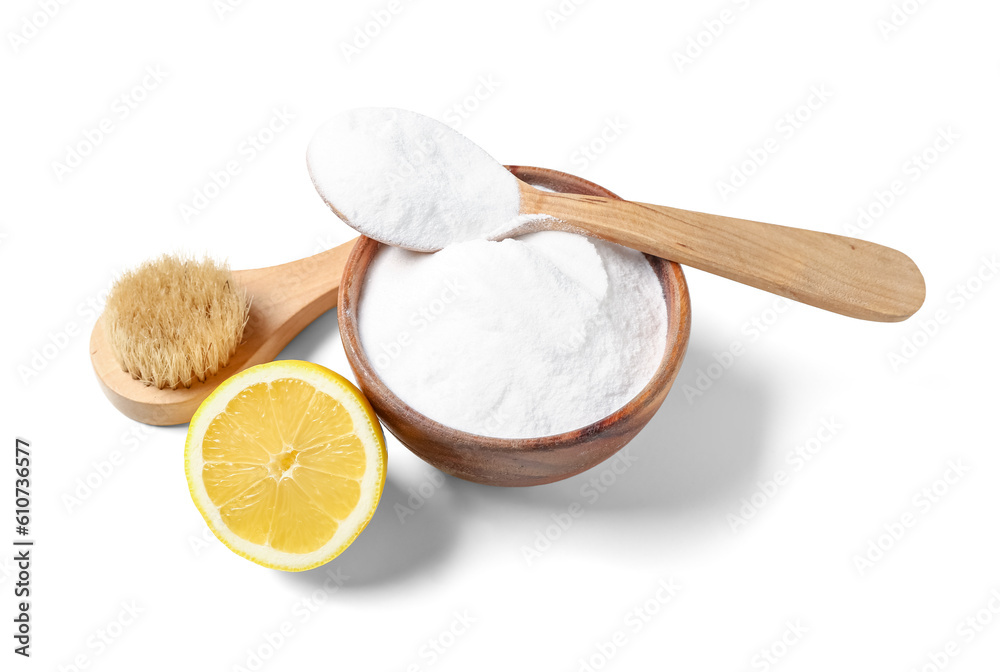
{"x": 515, "y": 362}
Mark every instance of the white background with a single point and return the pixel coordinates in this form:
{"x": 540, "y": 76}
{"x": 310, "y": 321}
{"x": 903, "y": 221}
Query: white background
{"x": 556, "y": 84}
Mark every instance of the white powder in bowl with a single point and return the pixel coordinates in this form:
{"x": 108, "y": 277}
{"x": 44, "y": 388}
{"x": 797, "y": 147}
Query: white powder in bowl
{"x": 408, "y": 180}
{"x": 527, "y": 337}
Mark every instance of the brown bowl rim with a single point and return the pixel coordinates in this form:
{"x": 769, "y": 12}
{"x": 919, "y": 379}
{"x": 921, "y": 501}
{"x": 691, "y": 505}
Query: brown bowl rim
{"x": 675, "y": 291}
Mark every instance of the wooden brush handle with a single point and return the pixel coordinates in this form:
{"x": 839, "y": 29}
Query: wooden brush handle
{"x": 843, "y": 275}
{"x": 284, "y": 299}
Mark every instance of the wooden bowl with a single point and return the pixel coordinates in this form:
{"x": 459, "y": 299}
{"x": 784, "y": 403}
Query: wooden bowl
{"x": 516, "y": 462}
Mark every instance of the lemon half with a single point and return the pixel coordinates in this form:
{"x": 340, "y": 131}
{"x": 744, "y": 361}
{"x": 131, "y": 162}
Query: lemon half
{"x": 286, "y": 463}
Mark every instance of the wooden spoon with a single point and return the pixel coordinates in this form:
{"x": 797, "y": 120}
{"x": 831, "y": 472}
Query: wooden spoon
{"x": 843, "y": 275}
{"x": 284, "y": 299}
{"x": 408, "y": 180}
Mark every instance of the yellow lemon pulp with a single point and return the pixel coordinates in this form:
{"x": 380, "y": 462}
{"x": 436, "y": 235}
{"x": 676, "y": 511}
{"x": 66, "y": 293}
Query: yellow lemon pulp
{"x": 286, "y": 462}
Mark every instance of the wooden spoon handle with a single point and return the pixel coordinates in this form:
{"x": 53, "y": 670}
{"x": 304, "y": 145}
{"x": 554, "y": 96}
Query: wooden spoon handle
{"x": 843, "y": 275}
{"x": 284, "y": 299}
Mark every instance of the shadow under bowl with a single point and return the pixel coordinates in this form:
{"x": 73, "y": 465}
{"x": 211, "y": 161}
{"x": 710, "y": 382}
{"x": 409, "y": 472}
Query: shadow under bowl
{"x": 516, "y": 462}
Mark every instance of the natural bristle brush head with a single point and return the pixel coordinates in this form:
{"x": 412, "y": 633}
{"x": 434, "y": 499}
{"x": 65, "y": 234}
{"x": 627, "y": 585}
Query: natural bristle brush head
{"x": 175, "y": 320}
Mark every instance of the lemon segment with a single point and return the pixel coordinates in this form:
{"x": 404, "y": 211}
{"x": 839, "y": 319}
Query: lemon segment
{"x": 286, "y": 463}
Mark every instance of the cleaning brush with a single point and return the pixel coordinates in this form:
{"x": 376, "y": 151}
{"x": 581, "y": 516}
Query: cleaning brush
{"x": 173, "y": 320}
{"x": 175, "y": 328}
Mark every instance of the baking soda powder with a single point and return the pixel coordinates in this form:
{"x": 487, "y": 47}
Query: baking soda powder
{"x": 526, "y": 337}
